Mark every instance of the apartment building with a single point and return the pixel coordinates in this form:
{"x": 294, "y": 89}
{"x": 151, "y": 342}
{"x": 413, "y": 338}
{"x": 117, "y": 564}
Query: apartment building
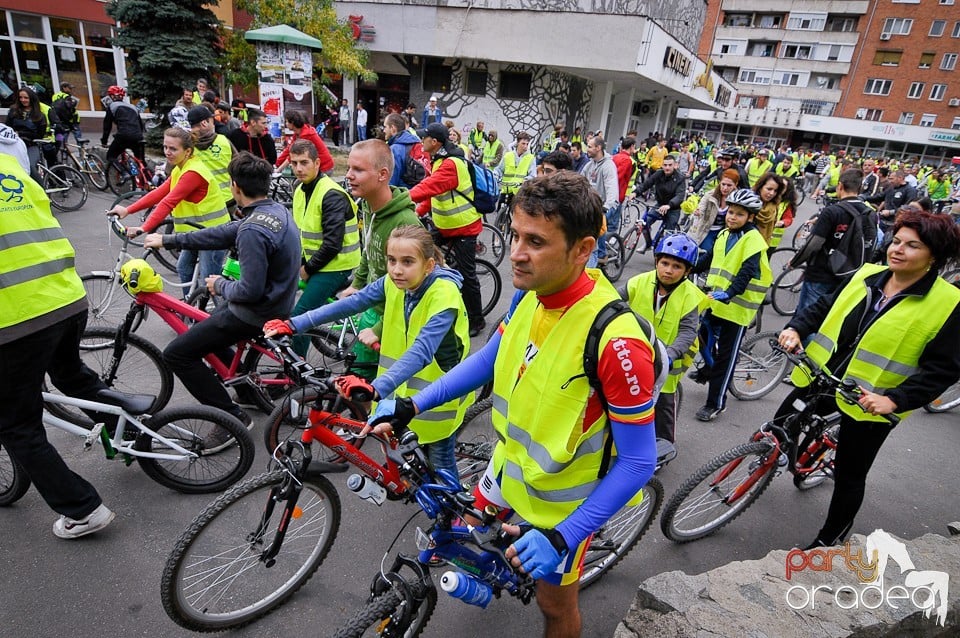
{"x": 870, "y": 76}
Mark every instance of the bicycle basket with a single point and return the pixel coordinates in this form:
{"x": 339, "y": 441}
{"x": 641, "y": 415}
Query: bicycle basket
{"x": 138, "y": 276}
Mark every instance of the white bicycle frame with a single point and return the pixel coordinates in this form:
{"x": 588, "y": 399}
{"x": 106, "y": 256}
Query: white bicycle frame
{"x": 119, "y": 444}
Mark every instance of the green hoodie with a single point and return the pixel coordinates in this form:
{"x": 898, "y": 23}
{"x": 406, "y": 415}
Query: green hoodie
{"x": 377, "y": 226}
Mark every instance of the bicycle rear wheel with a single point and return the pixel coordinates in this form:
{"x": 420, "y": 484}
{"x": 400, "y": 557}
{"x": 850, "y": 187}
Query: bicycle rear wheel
{"x": 119, "y": 179}
{"x": 289, "y": 419}
{"x": 803, "y": 233}
{"x": 65, "y": 187}
{"x": 491, "y": 245}
{"x": 785, "y": 292}
{"x": 614, "y": 264}
{"x": 139, "y": 368}
{"x": 14, "y": 481}
{"x": 94, "y": 171}
{"x": 779, "y": 259}
{"x": 621, "y": 533}
{"x": 331, "y": 347}
{"x": 759, "y": 368}
{"x": 223, "y": 444}
{"x": 216, "y": 577}
{"x": 718, "y": 492}
{"x": 490, "y": 286}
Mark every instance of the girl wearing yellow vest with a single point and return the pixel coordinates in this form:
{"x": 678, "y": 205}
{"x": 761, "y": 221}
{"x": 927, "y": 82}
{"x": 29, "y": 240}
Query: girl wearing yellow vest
{"x": 424, "y": 334}
{"x": 672, "y": 304}
{"x": 895, "y": 331}
{"x": 191, "y": 195}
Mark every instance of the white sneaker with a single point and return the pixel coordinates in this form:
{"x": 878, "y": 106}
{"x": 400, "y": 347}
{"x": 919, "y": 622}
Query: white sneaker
{"x": 94, "y": 522}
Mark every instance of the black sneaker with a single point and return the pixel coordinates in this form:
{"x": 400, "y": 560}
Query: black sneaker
{"x": 245, "y": 397}
{"x": 476, "y": 327}
{"x": 707, "y": 413}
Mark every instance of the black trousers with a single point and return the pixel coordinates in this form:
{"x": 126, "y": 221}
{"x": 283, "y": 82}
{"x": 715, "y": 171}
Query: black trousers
{"x": 121, "y": 142}
{"x": 23, "y": 364}
{"x": 729, "y": 336}
{"x": 464, "y": 251}
{"x": 184, "y": 355}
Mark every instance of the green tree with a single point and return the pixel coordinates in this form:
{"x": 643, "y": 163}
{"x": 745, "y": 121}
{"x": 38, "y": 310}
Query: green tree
{"x": 169, "y": 44}
{"x": 317, "y": 18}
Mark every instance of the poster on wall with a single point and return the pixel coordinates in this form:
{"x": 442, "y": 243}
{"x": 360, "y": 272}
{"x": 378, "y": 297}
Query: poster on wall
{"x": 270, "y": 63}
{"x": 271, "y": 101}
{"x": 299, "y": 98}
{"x": 298, "y": 66}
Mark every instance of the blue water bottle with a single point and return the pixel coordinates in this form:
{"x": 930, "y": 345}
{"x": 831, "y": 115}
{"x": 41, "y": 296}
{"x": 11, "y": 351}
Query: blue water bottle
{"x": 133, "y": 167}
{"x": 466, "y": 588}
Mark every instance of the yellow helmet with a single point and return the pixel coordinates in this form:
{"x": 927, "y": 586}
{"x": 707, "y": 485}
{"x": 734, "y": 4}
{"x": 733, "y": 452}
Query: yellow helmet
{"x": 138, "y": 276}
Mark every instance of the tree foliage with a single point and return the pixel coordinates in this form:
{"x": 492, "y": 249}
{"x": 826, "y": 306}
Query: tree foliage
{"x": 169, "y": 44}
{"x": 314, "y": 17}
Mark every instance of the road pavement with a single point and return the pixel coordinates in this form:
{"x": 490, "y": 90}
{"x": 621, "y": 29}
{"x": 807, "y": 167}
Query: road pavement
{"x": 108, "y": 583}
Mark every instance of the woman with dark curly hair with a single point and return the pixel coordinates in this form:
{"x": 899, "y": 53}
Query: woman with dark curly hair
{"x": 895, "y": 331}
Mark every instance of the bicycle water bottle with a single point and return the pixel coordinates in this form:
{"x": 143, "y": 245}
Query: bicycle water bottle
{"x": 466, "y": 588}
{"x": 367, "y": 489}
{"x": 133, "y": 166}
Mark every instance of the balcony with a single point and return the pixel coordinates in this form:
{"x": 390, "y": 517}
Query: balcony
{"x": 782, "y": 64}
{"x": 780, "y": 91}
{"x": 849, "y": 7}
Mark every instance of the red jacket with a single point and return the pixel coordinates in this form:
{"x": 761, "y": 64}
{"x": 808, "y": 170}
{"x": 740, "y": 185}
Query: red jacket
{"x": 443, "y": 179}
{"x": 624, "y": 164}
{"x": 310, "y": 133}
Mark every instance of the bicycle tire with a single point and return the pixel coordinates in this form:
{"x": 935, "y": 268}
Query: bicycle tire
{"x": 491, "y": 244}
{"x": 785, "y": 292}
{"x": 759, "y": 368}
{"x": 14, "y": 481}
{"x": 618, "y": 536}
{"x": 490, "y": 286}
{"x": 330, "y": 355}
{"x": 824, "y": 456}
{"x": 257, "y": 366}
{"x": 678, "y": 510}
{"x": 630, "y": 242}
{"x": 803, "y": 232}
{"x": 94, "y": 171}
{"x": 107, "y": 304}
{"x": 139, "y": 370}
{"x": 946, "y": 401}
{"x": 193, "y": 427}
{"x": 476, "y": 409}
{"x": 71, "y": 189}
{"x": 230, "y": 530}
{"x": 281, "y": 426}
{"x": 632, "y": 211}
{"x": 382, "y": 612}
{"x": 119, "y": 179}
{"x": 779, "y": 258}
{"x": 614, "y": 264}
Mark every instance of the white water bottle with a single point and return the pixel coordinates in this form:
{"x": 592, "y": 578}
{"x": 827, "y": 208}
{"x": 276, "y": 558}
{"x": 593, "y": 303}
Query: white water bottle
{"x": 367, "y": 489}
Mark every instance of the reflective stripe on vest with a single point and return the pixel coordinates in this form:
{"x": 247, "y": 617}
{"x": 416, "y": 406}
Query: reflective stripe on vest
{"x": 641, "y": 291}
{"x": 513, "y": 172}
{"x": 490, "y": 151}
{"x": 210, "y": 211}
{"x": 889, "y": 351}
{"x": 454, "y": 209}
{"x": 724, "y": 268}
{"x": 545, "y": 481}
{"x": 37, "y": 273}
{"x": 756, "y": 169}
{"x": 399, "y": 335}
{"x": 309, "y": 219}
{"x": 217, "y": 158}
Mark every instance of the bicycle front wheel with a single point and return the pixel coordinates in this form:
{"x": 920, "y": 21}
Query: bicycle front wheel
{"x": 107, "y": 304}
{"x": 785, "y": 292}
{"x": 718, "y": 492}
{"x": 65, "y": 187}
{"x": 139, "y": 368}
{"x": 14, "y": 481}
{"x": 94, "y": 171}
{"x": 491, "y": 244}
{"x": 614, "y": 264}
{"x": 759, "y": 368}
{"x": 621, "y": 533}
{"x": 490, "y": 286}
{"x": 384, "y": 615}
{"x": 286, "y": 423}
{"x": 216, "y": 578}
{"x": 119, "y": 179}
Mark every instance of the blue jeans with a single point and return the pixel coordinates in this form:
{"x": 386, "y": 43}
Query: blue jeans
{"x": 361, "y": 133}
{"x": 670, "y": 221}
{"x": 211, "y": 263}
{"x": 613, "y": 225}
{"x": 442, "y": 454}
{"x": 810, "y": 293}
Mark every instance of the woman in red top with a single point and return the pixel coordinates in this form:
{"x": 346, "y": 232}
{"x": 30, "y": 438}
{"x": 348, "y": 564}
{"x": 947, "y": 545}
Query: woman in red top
{"x": 297, "y": 121}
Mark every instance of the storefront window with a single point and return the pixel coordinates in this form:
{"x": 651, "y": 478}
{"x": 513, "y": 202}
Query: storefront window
{"x": 35, "y": 69}
{"x": 70, "y": 63}
{"x": 3, "y": 23}
{"x": 102, "y": 73}
{"x": 8, "y": 76}
{"x": 27, "y": 26}
{"x": 97, "y": 35}
{"x": 64, "y": 31}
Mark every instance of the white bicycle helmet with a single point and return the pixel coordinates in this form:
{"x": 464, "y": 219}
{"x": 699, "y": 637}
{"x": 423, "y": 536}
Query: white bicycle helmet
{"x": 745, "y": 198}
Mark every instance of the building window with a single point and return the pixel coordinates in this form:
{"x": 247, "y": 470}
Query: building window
{"x": 916, "y": 90}
{"x": 956, "y": 30}
{"x": 834, "y": 53}
{"x": 754, "y": 77}
{"x": 844, "y": 25}
{"x": 926, "y": 60}
{"x": 949, "y": 62}
{"x": 887, "y": 58}
{"x": 729, "y": 74}
{"x": 877, "y": 86}
{"x": 738, "y": 20}
{"x": 770, "y": 22}
{"x": 437, "y": 76}
{"x": 872, "y": 115}
{"x": 797, "y": 51}
{"x": 788, "y": 79}
{"x": 762, "y": 49}
{"x": 896, "y": 26}
{"x": 937, "y": 28}
{"x": 905, "y": 118}
{"x": 807, "y": 21}
{"x": 476, "y": 82}
{"x": 948, "y": 3}
{"x": 937, "y": 91}
{"x": 515, "y": 86}
{"x": 928, "y": 119}
{"x": 825, "y": 82}
{"x": 956, "y": 124}
{"x": 816, "y": 107}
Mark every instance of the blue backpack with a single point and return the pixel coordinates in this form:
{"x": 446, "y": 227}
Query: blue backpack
{"x": 486, "y": 188}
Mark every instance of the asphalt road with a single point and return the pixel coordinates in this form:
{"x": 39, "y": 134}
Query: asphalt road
{"x": 109, "y": 583}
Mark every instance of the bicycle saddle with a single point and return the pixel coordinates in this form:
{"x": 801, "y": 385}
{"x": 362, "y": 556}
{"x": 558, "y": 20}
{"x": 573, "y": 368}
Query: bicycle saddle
{"x": 135, "y": 404}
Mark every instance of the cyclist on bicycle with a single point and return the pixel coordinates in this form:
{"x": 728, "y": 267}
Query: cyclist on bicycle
{"x": 424, "y": 334}
{"x": 552, "y": 426}
{"x": 672, "y": 304}
{"x": 268, "y": 248}
{"x": 517, "y": 167}
{"x": 32, "y": 121}
{"x": 669, "y": 190}
{"x": 129, "y": 125}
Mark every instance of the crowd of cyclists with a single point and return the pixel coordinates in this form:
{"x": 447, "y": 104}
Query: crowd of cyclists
{"x": 891, "y": 323}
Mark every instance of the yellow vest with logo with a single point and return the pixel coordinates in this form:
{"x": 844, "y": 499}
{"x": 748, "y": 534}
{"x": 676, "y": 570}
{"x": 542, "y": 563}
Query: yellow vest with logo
{"x": 490, "y": 151}
{"x": 37, "y": 274}
{"x": 217, "y": 158}
{"x": 641, "y": 291}
{"x": 756, "y": 169}
{"x": 547, "y": 459}
{"x": 399, "y": 335}
{"x": 309, "y": 219}
{"x": 210, "y": 211}
{"x": 889, "y": 351}
{"x": 454, "y": 209}
{"x": 724, "y": 267}
{"x": 515, "y": 172}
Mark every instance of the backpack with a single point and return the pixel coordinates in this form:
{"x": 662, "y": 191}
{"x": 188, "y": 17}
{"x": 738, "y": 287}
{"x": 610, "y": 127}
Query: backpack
{"x": 486, "y": 188}
{"x": 416, "y": 166}
{"x": 856, "y": 245}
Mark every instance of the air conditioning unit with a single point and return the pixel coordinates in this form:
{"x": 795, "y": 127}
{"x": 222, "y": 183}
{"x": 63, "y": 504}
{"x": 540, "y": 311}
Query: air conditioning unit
{"x": 884, "y": 36}
{"x": 954, "y": 101}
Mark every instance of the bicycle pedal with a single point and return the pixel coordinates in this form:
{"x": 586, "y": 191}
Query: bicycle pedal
{"x": 94, "y": 436}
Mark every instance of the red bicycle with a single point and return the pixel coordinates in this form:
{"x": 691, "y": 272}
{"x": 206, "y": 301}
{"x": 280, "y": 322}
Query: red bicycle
{"x": 127, "y": 173}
